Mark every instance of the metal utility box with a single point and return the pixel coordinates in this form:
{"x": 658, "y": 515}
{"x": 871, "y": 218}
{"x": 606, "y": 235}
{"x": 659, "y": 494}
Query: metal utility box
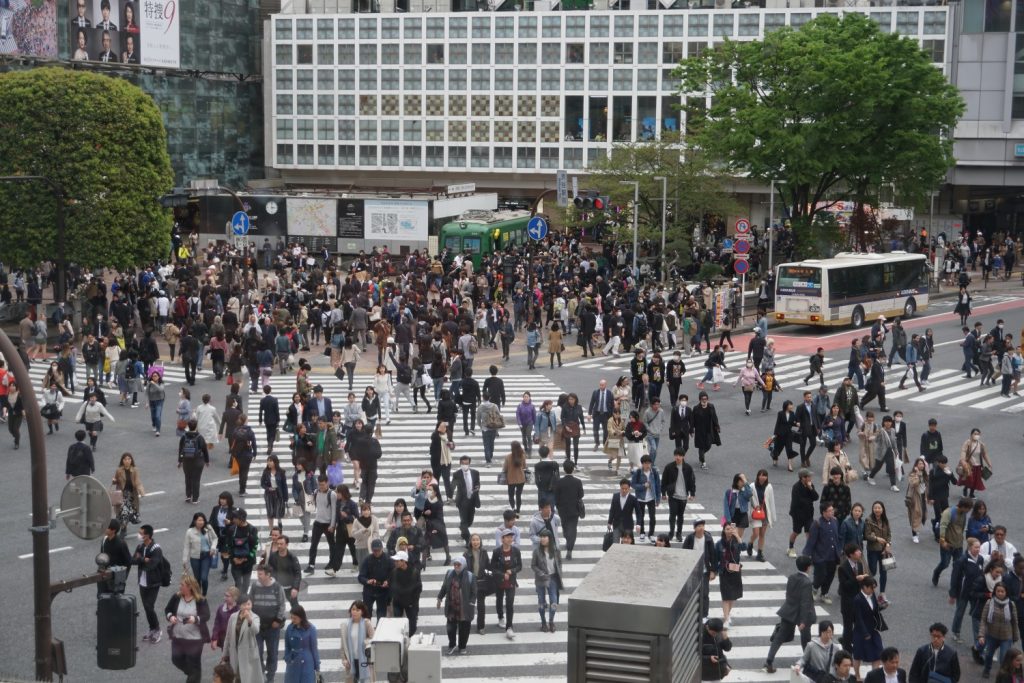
{"x": 424, "y": 659}
{"x": 643, "y": 629}
{"x": 388, "y": 647}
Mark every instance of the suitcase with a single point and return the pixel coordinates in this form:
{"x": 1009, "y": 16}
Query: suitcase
{"x": 116, "y": 619}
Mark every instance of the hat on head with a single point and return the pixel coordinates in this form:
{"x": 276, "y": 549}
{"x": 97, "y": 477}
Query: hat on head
{"x": 377, "y": 544}
{"x": 391, "y": 340}
{"x": 459, "y": 559}
{"x": 402, "y": 540}
{"x": 698, "y": 522}
{"x": 401, "y": 555}
{"x": 507, "y": 532}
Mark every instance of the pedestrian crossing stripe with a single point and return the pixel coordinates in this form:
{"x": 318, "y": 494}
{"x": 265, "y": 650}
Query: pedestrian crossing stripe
{"x": 534, "y": 656}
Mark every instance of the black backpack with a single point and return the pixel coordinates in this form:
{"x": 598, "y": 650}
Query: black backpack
{"x": 404, "y": 374}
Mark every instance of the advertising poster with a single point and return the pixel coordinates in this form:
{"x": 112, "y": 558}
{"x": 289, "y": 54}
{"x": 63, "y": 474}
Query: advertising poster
{"x": 28, "y": 28}
{"x": 125, "y": 31}
{"x": 313, "y": 217}
{"x": 350, "y": 219}
{"x": 400, "y": 220}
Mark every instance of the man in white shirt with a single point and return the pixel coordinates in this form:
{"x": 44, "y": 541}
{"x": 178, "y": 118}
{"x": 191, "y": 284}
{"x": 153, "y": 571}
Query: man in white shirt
{"x": 998, "y": 543}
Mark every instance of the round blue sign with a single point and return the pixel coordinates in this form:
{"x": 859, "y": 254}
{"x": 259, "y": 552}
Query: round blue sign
{"x": 537, "y": 228}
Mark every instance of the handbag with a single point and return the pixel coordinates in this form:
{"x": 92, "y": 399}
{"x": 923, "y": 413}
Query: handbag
{"x": 572, "y": 429}
{"x": 50, "y": 411}
{"x": 214, "y": 561}
{"x": 181, "y": 424}
{"x": 758, "y": 514}
{"x": 889, "y": 563}
{"x": 581, "y": 508}
{"x": 852, "y": 475}
{"x": 609, "y": 539}
{"x": 986, "y": 472}
{"x": 377, "y": 430}
{"x": 116, "y": 496}
{"x": 502, "y": 479}
{"x": 230, "y": 379}
{"x": 934, "y": 677}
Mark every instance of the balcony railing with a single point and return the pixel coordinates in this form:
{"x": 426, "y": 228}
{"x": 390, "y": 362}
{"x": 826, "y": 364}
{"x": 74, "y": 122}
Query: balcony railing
{"x": 444, "y": 6}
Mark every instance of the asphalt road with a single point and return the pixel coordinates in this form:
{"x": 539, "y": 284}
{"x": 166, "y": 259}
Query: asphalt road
{"x": 916, "y": 603}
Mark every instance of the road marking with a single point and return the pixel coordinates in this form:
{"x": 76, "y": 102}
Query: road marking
{"x": 52, "y": 551}
{"x": 220, "y": 481}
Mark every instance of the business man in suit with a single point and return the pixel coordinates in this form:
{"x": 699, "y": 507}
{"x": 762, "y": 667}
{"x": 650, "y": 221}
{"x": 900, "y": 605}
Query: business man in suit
{"x": 890, "y": 667}
{"x": 107, "y": 55}
{"x": 796, "y": 613}
{"x": 680, "y": 424}
{"x": 851, "y": 572}
{"x": 79, "y": 19}
{"x": 602, "y": 403}
{"x": 622, "y": 511}
{"x": 808, "y": 429}
{"x": 467, "y": 495}
{"x": 935, "y": 656}
{"x": 317, "y": 406}
{"x": 106, "y": 24}
{"x": 569, "y": 502}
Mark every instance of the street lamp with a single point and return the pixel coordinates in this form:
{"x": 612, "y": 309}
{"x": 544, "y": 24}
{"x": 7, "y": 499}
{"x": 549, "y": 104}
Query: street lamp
{"x": 771, "y": 221}
{"x": 664, "y": 207}
{"x": 636, "y": 203}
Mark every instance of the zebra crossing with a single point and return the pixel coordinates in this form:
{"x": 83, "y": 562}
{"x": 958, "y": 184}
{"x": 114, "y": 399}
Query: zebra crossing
{"x": 533, "y": 656}
{"x": 946, "y": 386}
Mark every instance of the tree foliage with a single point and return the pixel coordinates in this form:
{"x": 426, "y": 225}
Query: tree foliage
{"x": 695, "y": 188}
{"x": 833, "y": 107}
{"x": 103, "y": 140}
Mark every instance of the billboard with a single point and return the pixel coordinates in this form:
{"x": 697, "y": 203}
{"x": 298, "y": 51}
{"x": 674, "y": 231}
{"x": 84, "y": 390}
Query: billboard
{"x": 312, "y": 217}
{"x": 125, "y": 31}
{"x": 396, "y": 219}
{"x": 350, "y": 219}
{"x": 28, "y": 27}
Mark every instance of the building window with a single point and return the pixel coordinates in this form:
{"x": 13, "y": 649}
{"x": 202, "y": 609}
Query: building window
{"x": 623, "y": 26}
{"x": 526, "y": 157}
{"x": 503, "y": 79}
{"x": 527, "y": 53}
{"x": 551, "y": 53}
{"x": 549, "y": 131}
{"x": 502, "y": 157}
{"x": 935, "y": 49}
{"x": 304, "y": 29}
{"x": 367, "y": 29}
{"x": 623, "y": 53}
{"x": 669, "y": 81}
{"x": 481, "y": 53}
{"x": 884, "y": 21}
{"x": 435, "y": 156}
{"x": 324, "y": 29}
{"x": 457, "y": 131}
{"x": 504, "y": 53}
{"x": 304, "y": 54}
{"x": 457, "y": 54}
{"x": 346, "y": 79}
{"x": 346, "y": 130}
{"x": 573, "y": 157}
{"x": 390, "y": 53}
{"x": 304, "y": 129}
{"x": 389, "y": 79}
{"x": 346, "y": 29}
{"x": 413, "y": 27}
{"x": 622, "y": 80}
{"x": 906, "y": 23}
{"x": 457, "y": 157}
{"x": 435, "y": 54}
{"x": 283, "y": 29}
{"x": 647, "y": 79}
{"x": 595, "y": 155}
{"x": 798, "y": 19}
{"x": 481, "y": 106}
{"x": 598, "y": 53}
{"x": 367, "y": 79}
{"x": 325, "y": 129}
{"x": 306, "y": 156}
{"x": 457, "y": 79}
{"x": 325, "y": 105}
{"x": 774, "y": 21}
{"x": 367, "y": 105}
{"x": 527, "y": 105}
{"x": 413, "y": 54}
{"x": 551, "y": 27}
{"x": 346, "y": 105}
{"x": 749, "y": 24}
{"x": 285, "y": 129}
{"x": 283, "y": 55}
{"x": 388, "y": 130}
{"x": 526, "y": 131}
{"x": 575, "y": 53}
{"x": 412, "y": 155}
{"x": 481, "y": 79}
{"x": 503, "y": 107}
{"x": 481, "y": 27}
{"x": 457, "y": 27}
{"x": 481, "y": 157}
{"x": 990, "y": 17}
{"x": 527, "y": 79}
{"x": 412, "y": 131}
{"x": 699, "y": 25}
{"x": 574, "y": 79}
{"x": 368, "y": 155}
{"x": 285, "y": 154}
{"x": 647, "y": 53}
{"x": 367, "y": 54}
{"x": 648, "y": 26}
{"x": 413, "y": 79}
{"x": 723, "y": 24}
{"x": 305, "y": 107}
{"x": 346, "y": 155}
{"x": 325, "y": 155}
{"x": 435, "y": 131}
{"x": 504, "y": 27}
{"x": 284, "y": 104}
{"x": 284, "y": 79}
{"x": 368, "y": 130}
{"x": 935, "y": 23}
{"x": 598, "y": 27}
{"x": 527, "y": 27}
{"x": 575, "y": 27}
{"x": 347, "y": 54}
{"x": 435, "y": 79}
{"x": 549, "y": 157}
{"x": 389, "y": 155}
{"x": 324, "y": 54}
{"x": 435, "y": 27}
{"x": 456, "y": 105}
{"x": 673, "y": 26}
{"x": 389, "y": 29}
{"x": 599, "y": 79}
{"x": 550, "y": 79}
{"x": 672, "y": 52}
{"x": 304, "y": 79}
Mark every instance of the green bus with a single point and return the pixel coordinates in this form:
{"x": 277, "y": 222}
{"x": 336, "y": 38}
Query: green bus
{"x": 481, "y": 233}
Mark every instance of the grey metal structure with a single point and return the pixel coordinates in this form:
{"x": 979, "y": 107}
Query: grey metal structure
{"x": 636, "y": 617}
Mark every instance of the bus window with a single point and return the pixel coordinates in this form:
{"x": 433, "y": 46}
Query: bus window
{"x": 471, "y": 244}
{"x": 838, "y": 287}
{"x": 451, "y": 243}
{"x": 799, "y": 280}
{"x": 908, "y": 275}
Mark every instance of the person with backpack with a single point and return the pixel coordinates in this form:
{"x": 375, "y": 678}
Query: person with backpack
{"x": 193, "y": 457}
{"x": 243, "y": 449}
{"x": 403, "y": 381}
{"x": 154, "y": 573}
{"x": 490, "y": 422}
{"x": 242, "y": 542}
{"x": 546, "y": 476}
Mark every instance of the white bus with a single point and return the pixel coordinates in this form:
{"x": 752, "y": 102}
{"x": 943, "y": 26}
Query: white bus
{"x": 851, "y": 288}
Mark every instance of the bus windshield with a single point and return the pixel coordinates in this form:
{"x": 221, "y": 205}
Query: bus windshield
{"x": 799, "y": 280}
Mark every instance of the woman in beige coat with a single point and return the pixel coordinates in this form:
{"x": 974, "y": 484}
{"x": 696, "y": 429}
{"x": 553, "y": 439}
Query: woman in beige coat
{"x": 555, "y": 344}
{"x": 514, "y": 469}
{"x": 615, "y": 429}
{"x": 240, "y": 649}
{"x": 356, "y": 634}
{"x": 917, "y": 494}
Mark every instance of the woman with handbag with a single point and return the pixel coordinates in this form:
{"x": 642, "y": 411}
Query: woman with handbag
{"x": 199, "y": 550}
{"x": 998, "y": 626}
{"x": 573, "y": 424}
{"x": 730, "y": 580}
{"x": 365, "y": 530}
{"x": 303, "y": 487}
{"x": 479, "y": 565}
{"x": 155, "y": 396}
{"x": 220, "y": 519}
{"x": 615, "y": 430}
{"x": 635, "y": 437}
{"x": 275, "y": 490}
{"x": 916, "y": 496}
{"x": 878, "y": 534}
{"x": 183, "y": 412}
{"x": 835, "y": 456}
{"x": 434, "y": 527}
{"x": 187, "y": 613}
{"x": 622, "y": 393}
{"x": 371, "y": 407}
{"x": 547, "y": 577}
{"x": 126, "y": 480}
{"x": 513, "y": 471}
{"x": 91, "y": 414}
{"x": 441, "y": 447}
{"x": 974, "y": 467}
{"x": 53, "y": 407}
{"x": 762, "y": 513}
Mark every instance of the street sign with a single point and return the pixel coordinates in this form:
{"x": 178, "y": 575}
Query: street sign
{"x": 537, "y": 228}
{"x": 85, "y": 507}
{"x": 742, "y": 225}
{"x": 563, "y": 188}
{"x": 240, "y": 223}
{"x": 741, "y": 246}
{"x": 575, "y": 186}
{"x": 727, "y": 244}
{"x": 741, "y": 266}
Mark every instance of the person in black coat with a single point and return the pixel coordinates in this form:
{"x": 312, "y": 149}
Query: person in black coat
{"x": 851, "y": 571}
{"x": 569, "y": 503}
{"x": 706, "y": 430}
{"x": 714, "y": 644}
{"x": 935, "y": 656}
{"x": 680, "y": 424}
{"x": 270, "y": 416}
{"x": 117, "y": 552}
{"x": 469, "y": 399}
{"x": 622, "y": 511}
{"x": 678, "y": 486}
{"x": 890, "y": 666}
{"x": 785, "y": 424}
{"x": 796, "y": 613}
{"x": 467, "y": 495}
{"x": 801, "y": 507}
{"x": 442, "y": 471}
{"x": 875, "y": 383}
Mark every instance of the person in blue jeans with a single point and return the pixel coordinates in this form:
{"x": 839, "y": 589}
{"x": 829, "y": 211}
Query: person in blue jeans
{"x": 966, "y": 571}
{"x": 951, "y": 536}
{"x": 999, "y": 626}
{"x": 199, "y": 549}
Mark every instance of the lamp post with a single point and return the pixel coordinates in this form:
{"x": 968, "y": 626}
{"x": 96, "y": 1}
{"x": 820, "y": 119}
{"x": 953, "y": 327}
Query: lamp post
{"x": 664, "y": 208}
{"x": 771, "y": 221}
{"x": 636, "y": 203}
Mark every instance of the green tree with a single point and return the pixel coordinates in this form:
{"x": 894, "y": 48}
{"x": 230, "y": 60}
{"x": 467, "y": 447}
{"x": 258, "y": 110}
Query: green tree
{"x": 833, "y": 108}
{"x": 103, "y": 140}
{"x": 695, "y": 188}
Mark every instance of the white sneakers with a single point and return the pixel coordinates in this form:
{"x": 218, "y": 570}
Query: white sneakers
{"x": 870, "y": 481}
{"x": 510, "y": 634}
{"x": 329, "y": 572}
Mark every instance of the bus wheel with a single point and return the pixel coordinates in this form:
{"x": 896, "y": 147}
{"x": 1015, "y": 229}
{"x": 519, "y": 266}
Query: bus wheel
{"x": 909, "y": 308}
{"x": 857, "y": 318}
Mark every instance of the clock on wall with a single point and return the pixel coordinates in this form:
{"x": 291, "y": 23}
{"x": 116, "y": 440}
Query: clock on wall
{"x": 271, "y": 207}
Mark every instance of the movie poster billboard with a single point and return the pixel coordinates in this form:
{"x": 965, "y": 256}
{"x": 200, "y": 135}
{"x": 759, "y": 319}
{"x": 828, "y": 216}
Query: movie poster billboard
{"x": 124, "y": 31}
{"x": 28, "y": 27}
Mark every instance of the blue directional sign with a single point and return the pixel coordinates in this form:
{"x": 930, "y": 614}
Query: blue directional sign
{"x": 537, "y": 228}
{"x": 726, "y": 244}
{"x": 240, "y": 223}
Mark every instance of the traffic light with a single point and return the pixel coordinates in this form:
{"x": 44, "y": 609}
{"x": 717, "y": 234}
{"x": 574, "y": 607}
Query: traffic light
{"x": 116, "y": 618}
{"x": 590, "y": 201}
{"x": 924, "y": 233}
